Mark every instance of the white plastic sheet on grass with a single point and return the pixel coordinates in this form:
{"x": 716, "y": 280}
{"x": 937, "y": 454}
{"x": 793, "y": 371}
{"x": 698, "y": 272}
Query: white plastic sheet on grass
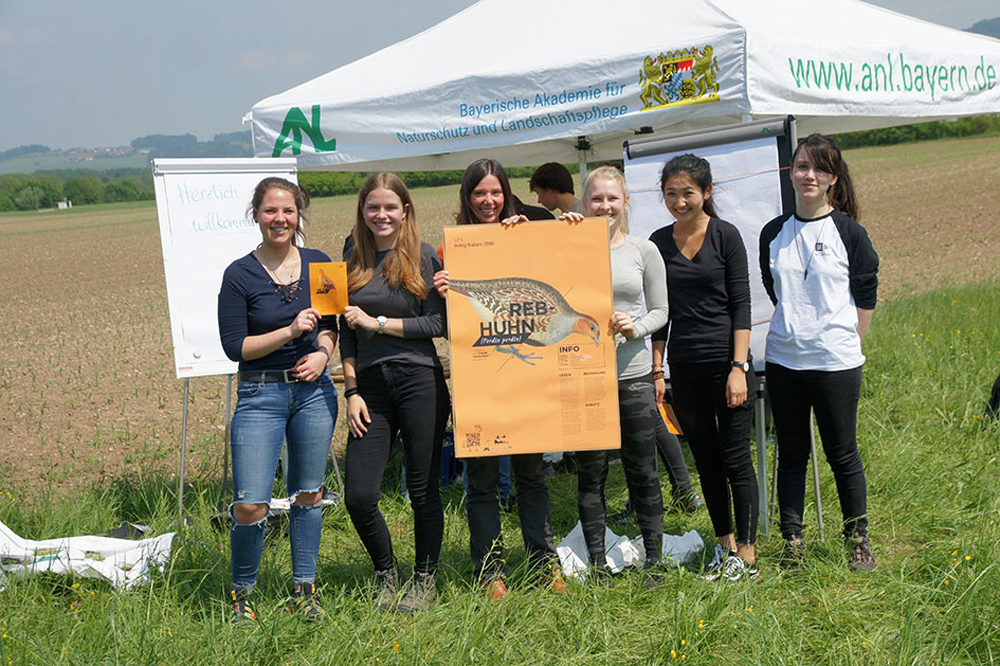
{"x": 121, "y": 562}
{"x": 621, "y": 552}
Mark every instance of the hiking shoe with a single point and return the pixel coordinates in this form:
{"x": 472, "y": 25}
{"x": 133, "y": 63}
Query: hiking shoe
{"x": 793, "y": 556}
{"x": 303, "y": 601}
{"x": 601, "y": 576}
{"x": 495, "y": 589}
{"x": 861, "y": 554}
{"x": 737, "y": 570}
{"x": 508, "y": 504}
{"x": 422, "y": 592}
{"x": 652, "y": 574}
{"x": 714, "y": 569}
{"x": 386, "y": 590}
{"x": 688, "y": 503}
{"x": 624, "y": 517}
{"x": 242, "y": 606}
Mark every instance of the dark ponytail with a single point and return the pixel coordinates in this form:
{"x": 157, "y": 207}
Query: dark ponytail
{"x": 825, "y": 155}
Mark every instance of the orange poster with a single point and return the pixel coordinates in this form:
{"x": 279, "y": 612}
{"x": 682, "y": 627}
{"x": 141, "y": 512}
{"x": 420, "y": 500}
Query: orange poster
{"x": 328, "y": 286}
{"x": 532, "y": 359}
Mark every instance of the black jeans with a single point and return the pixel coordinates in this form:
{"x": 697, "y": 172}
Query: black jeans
{"x": 833, "y": 397}
{"x": 411, "y": 400}
{"x": 483, "y": 507}
{"x": 720, "y": 441}
{"x": 638, "y": 415}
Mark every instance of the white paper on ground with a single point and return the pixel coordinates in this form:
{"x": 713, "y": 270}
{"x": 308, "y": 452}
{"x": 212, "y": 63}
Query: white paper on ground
{"x": 122, "y": 562}
{"x": 621, "y": 552}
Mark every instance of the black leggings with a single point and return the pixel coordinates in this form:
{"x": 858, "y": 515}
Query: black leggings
{"x": 637, "y": 407}
{"x": 833, "y": 397}
{"x": 411, "y": 400}
{"x": 720, "y": 441}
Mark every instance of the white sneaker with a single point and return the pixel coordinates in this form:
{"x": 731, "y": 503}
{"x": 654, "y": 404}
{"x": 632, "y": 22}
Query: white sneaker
{"x": 737, "y": 570}
{"x": 715, "y": 568}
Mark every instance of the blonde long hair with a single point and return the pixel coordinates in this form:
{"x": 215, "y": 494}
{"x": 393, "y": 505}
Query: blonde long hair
{"x": 402, "y": 265}
{"x": 608, "y": 172}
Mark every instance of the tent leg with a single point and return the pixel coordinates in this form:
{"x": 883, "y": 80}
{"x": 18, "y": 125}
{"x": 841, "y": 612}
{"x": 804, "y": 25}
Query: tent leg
{"x": 765, "y": 523}
{"x": 336, "y": 469}
{"x": 184, "y": 427}
{"x": 227, "y": 445}
{"x": 819, "y": 504}
{"x": 583, "y": 169}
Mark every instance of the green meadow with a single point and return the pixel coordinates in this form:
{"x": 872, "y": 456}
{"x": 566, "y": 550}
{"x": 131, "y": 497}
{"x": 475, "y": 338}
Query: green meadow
{"x": 90, "y": 412}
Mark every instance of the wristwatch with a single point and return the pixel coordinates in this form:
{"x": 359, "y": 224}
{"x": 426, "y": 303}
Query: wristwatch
{"x": 381, "y": 319}
{"x": 744, "y": 366}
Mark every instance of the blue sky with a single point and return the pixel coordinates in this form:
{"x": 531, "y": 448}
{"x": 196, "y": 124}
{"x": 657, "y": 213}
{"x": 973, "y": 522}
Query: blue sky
{"x": 101, "y": 73}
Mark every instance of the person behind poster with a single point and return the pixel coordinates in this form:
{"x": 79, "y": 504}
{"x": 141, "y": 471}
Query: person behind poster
{"x": 485, "y": 198}
{"x": 284, "y": 393}
{"x": 638, "y": 278}
{"x": 394, "y": 384}
{"x": 821, "y": 271}
{"x": 709, "y": 354}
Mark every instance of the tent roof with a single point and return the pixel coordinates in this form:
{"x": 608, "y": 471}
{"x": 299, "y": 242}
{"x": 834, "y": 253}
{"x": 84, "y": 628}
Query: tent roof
{"x": 854, "y": 67}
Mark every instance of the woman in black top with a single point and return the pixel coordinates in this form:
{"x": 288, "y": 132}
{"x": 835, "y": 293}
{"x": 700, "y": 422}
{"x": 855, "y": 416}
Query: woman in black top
{"x": 709, "y": 356}
{"x": 394, "y": 383}
{"x": 284, "y": 392}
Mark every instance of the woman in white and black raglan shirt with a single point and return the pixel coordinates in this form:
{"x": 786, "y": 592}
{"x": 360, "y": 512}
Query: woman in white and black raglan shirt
{"x": 820, "y": 270}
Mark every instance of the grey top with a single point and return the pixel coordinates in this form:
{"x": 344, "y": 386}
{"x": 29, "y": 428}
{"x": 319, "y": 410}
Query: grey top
{"x": 637, "y": 276}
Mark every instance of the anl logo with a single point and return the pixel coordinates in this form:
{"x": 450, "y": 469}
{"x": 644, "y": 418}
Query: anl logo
{"x": 295, "y": 124}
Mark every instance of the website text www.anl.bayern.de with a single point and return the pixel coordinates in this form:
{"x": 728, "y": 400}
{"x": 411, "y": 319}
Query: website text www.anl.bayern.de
{"x": 896, "y": 72}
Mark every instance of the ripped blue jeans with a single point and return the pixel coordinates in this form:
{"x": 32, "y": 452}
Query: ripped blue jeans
{"x": 266, "y": 415}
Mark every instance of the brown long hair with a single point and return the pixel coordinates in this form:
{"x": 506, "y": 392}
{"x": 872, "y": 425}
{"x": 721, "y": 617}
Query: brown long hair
{"x": 474, "y": 173}
{"x": 402, "y": 265}
{"x": 299, "y": 194}
{"x": 826, "y": 156}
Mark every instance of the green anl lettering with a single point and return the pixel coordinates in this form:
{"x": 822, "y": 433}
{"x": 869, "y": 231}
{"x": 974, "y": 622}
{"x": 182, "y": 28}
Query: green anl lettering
{"x": 295, "y": 124}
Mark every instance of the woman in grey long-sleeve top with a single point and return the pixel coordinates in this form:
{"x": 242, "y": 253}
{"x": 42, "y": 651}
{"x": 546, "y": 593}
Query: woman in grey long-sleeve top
{"x": 638, "y": 277}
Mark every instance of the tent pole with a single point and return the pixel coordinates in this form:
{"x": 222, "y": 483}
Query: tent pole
{"x": 184, "y": 428}
{"x": 819, "y": 503}
{"x": 583, "y": 169}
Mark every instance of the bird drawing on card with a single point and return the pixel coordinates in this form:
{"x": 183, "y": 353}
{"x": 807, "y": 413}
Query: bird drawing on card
{"x": 530, "y": 310}
{"x": 326, "y": 285}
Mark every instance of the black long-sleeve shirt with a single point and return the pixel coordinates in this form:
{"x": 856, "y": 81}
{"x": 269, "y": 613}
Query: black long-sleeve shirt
{"x": 709, "y": 295}
{"x": 422, "y": 319}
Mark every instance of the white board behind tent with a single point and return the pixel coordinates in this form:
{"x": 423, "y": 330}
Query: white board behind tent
{"x": 202, "y": 208}
{"x": 748, "y": 189}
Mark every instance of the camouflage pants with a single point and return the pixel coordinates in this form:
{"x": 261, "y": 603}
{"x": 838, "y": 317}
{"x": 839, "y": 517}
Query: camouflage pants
{"x": 637, "y": 407}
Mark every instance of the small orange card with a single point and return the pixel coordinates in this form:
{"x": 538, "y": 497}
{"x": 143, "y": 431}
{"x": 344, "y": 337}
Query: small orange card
{"x": 328, "y": 286}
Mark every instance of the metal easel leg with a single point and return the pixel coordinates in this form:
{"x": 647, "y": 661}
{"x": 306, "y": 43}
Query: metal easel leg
{"x": 228, "y": 444}
{"x": 819, "y": 504}
{"x": 184, "y": 427}
{"x": 765, "y": 523}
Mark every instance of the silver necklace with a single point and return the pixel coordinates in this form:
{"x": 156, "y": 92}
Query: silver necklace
{"x": 806, "y": 257}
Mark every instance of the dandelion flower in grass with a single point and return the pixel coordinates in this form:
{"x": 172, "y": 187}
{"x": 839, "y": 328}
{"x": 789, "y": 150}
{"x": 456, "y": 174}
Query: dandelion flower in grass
{"x": 683, "y": 642}
{"x": 947, "y": 582}
{"x": 968, "y": 557}
{"x": 673, "y": 654}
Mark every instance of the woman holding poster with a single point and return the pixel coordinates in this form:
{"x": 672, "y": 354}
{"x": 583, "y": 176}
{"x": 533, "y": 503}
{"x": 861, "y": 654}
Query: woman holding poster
{"x": 284, "y": 392}
{"x": 485, "y": 197}
{"x": 638, "y": 279}
{"x": 821, "y": 272}
{"x": 709, "y": 355}
{"x": 394, "y": 383}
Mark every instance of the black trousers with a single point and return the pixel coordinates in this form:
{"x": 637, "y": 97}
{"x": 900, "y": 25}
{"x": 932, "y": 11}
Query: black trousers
{"x": 833, "y": 397}
{"x": 638, "y": 416}
{"x": 411, "y": 400}
{"x": 483, "y": 508}
{"x": 720, "y": 441}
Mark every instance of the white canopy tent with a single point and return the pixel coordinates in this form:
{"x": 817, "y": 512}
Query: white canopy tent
{"x": 528, "y": 82}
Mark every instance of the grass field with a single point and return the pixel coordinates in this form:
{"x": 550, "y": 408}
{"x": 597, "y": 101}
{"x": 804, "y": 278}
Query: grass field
{"x": 90, "y": 423}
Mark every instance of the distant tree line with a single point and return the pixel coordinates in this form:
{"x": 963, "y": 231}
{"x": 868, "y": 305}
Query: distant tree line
{"x": 229, "y": 144}
{"x": 45, "y": 189}
{"x": 887, "y": 136}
